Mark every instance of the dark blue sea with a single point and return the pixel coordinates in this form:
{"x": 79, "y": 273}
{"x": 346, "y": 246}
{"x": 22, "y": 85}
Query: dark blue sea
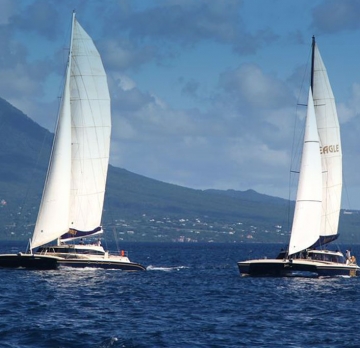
{"x": 190, "y": 296}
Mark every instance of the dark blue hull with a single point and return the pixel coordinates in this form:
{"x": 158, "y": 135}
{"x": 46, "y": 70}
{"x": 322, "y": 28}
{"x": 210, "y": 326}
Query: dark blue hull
{"x": 28, "y": 261}
{"x": 276, "y": 270}
{"x": 286, "y": 268}
{"x": 336, "y": 271}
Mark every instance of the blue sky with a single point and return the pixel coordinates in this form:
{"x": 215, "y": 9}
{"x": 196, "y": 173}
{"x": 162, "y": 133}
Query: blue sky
{"x": 204, "y": 93}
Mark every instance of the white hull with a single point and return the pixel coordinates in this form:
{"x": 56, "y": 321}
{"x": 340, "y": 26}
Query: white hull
{"x": 89, "y": 255}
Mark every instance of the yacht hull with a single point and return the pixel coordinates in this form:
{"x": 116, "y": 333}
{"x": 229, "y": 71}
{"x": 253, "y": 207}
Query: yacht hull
{"x": 89, "y": 255}
{"x": 28, "y": 261}
{"x": 291, "y": 268}
{"x": 106, "y": 264}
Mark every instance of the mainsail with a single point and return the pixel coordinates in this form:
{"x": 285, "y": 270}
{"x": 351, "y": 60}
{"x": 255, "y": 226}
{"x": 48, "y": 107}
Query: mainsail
{"x": 331, "y": 152}
{"x": 74, "y": 191}
{"x": 307, "y": 215}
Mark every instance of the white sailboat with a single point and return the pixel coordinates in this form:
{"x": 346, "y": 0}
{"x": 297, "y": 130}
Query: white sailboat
{"x": 318, "y": 201}
{"x": 72, "y": 201}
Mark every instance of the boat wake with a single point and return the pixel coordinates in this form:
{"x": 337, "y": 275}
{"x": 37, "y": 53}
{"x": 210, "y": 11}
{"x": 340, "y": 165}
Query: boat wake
{"x": 165, "y": 269}
{"x": 110, "y": 342}
{"x": 79, "y": 269}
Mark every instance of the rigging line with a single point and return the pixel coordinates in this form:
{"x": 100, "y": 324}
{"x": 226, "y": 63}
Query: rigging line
{"x": 31, "y": 184}
{"x": 110, "y": 211}
{"x": 40, "y": 154}
{"x": 347, "y": 193}
{"x": 292, "y": 158}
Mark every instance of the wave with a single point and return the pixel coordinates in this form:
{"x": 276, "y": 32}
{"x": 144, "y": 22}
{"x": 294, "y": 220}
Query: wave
{"x": 165, "y": 269}
{"x": 110, "y": 342}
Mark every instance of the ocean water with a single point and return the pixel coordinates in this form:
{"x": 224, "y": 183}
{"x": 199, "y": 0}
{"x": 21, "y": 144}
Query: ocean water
{"x": 190, "y": 296}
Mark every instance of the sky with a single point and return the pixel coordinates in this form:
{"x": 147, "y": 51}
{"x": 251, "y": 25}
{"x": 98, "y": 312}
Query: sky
{"x": 205, "y": 93}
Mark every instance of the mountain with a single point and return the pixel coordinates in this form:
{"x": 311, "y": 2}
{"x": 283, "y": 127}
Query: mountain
{"x": 138, "y": 208}
{"x": 24, "y": 148}
{"x": 23, "y": 156}
{"x": 249, "y": 195}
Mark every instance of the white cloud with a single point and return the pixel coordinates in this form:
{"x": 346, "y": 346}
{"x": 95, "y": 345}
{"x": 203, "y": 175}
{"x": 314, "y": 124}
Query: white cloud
{"x": 124, "y": 82}
{"x": 252, "y": 86}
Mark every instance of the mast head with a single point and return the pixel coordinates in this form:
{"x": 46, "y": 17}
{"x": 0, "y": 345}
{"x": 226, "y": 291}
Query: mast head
{"x": 312, "y": 63}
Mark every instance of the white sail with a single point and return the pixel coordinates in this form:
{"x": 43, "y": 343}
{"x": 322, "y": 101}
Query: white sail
{"x": 307, "y": 217}
{"x": 74, "y": 190}
{"x": 53, "y": 216}
{"x": 329, "y": 133}
{"x": 91, "y": 128}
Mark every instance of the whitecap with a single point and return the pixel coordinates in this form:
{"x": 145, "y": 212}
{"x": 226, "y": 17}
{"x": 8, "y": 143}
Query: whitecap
{"x": 164, "y": 269}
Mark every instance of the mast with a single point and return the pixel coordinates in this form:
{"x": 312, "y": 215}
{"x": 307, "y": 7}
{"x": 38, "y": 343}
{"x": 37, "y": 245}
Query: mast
{"x": 67, "y": 80}
{"x": 312, "y": 64}
{"x": 71, "y": 40}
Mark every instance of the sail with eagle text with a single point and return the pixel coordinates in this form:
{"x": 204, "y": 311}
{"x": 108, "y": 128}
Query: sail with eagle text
{"x": 330, "y": 148}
